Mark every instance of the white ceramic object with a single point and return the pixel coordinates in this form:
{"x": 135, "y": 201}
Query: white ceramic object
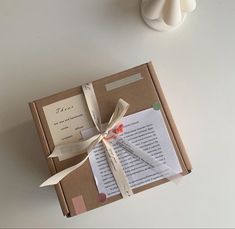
{"x": 165, "y": 15}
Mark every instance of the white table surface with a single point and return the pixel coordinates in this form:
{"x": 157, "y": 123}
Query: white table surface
{"x": 49, "y": 46}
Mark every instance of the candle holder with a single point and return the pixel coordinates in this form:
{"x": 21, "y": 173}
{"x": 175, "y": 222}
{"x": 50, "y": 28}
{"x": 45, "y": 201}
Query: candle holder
{"x": 165, "y": 15}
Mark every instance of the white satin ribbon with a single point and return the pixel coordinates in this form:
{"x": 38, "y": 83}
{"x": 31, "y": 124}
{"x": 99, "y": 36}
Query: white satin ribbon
{"x": 77, "y": 148}
{"x": 81, "y": 147}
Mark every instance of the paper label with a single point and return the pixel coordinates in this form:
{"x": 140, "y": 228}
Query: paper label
{"x": 146, "y": 130}
{"x": 66, "y": 118}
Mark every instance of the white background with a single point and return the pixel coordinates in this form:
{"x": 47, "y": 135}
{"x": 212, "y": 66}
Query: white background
{"x": 49, "y": 46}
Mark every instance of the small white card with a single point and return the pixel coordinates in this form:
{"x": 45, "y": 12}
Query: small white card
{"x": 147, "y": 131}
{"x": 66, "y": 118}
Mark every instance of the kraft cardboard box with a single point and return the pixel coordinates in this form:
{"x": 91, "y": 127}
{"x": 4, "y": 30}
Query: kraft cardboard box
{"x": 139, "y": 86}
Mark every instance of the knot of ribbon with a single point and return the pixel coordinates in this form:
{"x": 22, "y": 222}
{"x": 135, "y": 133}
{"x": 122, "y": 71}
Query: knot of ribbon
{"x": 77, "y": 148}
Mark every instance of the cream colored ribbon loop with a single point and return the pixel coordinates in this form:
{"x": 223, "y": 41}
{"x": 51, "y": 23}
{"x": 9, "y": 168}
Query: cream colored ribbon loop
{"x": 118, "y": 114}
{"x": 71, "y": 149}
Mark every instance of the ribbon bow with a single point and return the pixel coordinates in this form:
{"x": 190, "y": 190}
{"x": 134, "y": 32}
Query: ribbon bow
{"x": 73, "y": 149}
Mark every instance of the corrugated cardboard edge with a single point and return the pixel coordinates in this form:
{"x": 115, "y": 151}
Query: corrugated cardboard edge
{"x": 169, "y": 117}
{"x": 50, "y": 162}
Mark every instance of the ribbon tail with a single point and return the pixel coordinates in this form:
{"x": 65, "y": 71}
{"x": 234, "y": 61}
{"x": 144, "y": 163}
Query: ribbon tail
{"x": 87, "y": 144}
{"x": 59, "y": 176}
{"x": 117, "y": 170}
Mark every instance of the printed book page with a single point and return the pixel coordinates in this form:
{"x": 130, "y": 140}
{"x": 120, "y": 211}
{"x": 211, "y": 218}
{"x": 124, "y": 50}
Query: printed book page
{"x": 147, "y": 131}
